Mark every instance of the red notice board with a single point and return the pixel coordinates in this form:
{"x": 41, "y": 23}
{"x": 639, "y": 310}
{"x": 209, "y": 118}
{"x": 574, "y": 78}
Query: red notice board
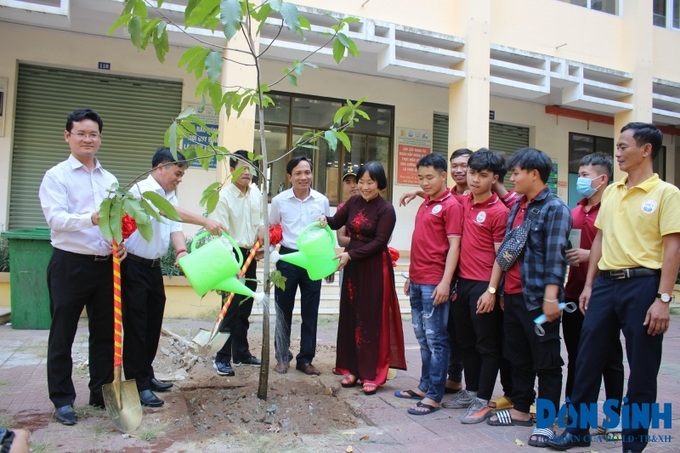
{"x": 408, "y": 157}
{"x": 412, "y": 144}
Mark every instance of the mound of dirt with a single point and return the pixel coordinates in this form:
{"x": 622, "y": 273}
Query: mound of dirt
{"x": 295, "y": 404}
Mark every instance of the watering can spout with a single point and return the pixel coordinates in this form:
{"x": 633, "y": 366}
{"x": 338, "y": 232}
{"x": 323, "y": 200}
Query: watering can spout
{"x": 316, "y": 252}
{"x": 233, "y": 285}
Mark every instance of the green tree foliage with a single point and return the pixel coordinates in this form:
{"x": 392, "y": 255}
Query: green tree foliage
{"x": 146, "y": 24}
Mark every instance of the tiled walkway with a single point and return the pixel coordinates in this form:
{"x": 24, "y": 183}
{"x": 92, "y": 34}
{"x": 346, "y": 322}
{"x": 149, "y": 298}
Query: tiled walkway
{"x": 388, "y": 428}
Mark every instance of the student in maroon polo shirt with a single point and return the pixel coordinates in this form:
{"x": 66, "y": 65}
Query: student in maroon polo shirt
{"x": 459, "y": 168}
{"x": 435, "y": 249}
{"x": 477, "y": 316}
{"x": 595, "y": 173}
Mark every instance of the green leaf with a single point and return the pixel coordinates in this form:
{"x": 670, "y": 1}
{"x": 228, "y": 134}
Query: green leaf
{"x": 213, "y": 66}
{"x": 338, "y": 51}
{"x": 140, "y": 9}
{"x": 362, "y": 114}
{"x": 215, "y": 90}
{"x": 210, "y": 197}
{"x": 146, "y": 230}
{"x": 340, "y": 113}
{"x": 275, "y": 4}
{"x": 230, "y": 16}
{"x": 163, "y": 205}
{"x": 161, "y": 45}
{"x": 135, "y": 30}
{"x": 104, "y": 223}
{"x": 340, "y": 135}
{"x": 202, "y": 14}
{"x": 352, "y": 48}
{"x": 161, "y": 29}
{"x": 291, "y": 17}
{"x": 116, "y": 219}
{"x": 331, "y": 139}
{"x": 122, "y": 20}
{"x": 133, "y": 208}
{"x": 171, "y": 138}
{"x": 304, "y": 23}
{"x": 187, "y": 112}
{"x": 194, "y": 58}
{"x": 150, "y": 210}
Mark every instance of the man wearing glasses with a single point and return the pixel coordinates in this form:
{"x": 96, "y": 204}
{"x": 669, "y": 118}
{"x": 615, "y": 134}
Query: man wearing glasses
{"x": 80, "y": 271}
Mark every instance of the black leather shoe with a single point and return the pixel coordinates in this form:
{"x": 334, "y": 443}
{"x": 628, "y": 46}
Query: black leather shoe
{"x": 147, "y": 398}
{"x": 566, "y": 440}
{"x": 252, "y": 361}
{"x": 97, "y": 402}
{"x": 66, "y": 415}
{"x": 158, "y": 386}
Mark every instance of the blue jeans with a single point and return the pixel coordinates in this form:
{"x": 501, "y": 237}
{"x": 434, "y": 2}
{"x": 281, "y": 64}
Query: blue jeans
{"x": 429, "y": 325}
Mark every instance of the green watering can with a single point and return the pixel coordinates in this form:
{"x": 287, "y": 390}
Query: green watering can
{"x": 316, "y": 252}
{"x": 214, "y": 267}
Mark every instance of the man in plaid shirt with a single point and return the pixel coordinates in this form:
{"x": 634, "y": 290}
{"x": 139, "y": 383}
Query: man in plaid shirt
{"x": 534, "y": 285}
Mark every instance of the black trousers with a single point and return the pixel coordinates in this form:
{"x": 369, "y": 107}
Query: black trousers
{"x": 479, "y": 338}
{"x": 619, "y": 305}
{"x": 612, "y": 374}
{"x": 143, "y": 306}
{"x": 310, "y": 294}
{"x": 455, "y": 370}
{"x": 531, "y": 355}
{"x": 75, "y": 282}
{"x": 236, "y": 320}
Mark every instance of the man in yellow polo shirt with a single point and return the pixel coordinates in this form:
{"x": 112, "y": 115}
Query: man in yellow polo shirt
{"x": 636, "y": 253}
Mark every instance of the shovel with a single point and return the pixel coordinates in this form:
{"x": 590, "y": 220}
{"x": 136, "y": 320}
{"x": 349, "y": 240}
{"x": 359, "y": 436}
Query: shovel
{"x": 120, "y": 397}
{"x": 204, "y": 337}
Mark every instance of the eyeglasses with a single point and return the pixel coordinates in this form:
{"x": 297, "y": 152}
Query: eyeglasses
{"x": 83, "y": 136}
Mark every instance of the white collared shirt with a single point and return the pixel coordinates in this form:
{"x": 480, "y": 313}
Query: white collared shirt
{"x": 241, "y": 213}
{"x": 158, "y": 246}
{"x": 294, "y": 214}
{"x": 69, "y": 194}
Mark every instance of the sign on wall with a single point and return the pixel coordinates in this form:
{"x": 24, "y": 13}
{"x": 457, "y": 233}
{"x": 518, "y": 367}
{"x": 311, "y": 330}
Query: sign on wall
{"x": 202, "y": 136}
{"x": 412, "y": 144}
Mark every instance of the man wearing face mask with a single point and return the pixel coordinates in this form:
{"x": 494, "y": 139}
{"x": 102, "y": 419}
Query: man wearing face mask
{"x": 595, "y": 173}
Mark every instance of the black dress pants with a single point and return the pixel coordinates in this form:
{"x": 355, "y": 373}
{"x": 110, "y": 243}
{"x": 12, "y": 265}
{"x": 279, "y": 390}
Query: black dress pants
{"x": 75, "y": 282}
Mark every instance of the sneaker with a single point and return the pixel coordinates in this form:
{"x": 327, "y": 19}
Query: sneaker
{"x": 252, "y": 361}
{"x": 223, "y": 369}
{"x": 478, "y": 411}
{"x": 461, "y": 400}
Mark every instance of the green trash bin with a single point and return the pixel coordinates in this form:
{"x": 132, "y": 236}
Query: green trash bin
{"x": 29, "y": 252}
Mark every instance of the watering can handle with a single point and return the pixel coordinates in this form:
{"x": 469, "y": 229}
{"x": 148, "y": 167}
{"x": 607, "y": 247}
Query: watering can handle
{"x": 231, "y": 240}
{"x": 316, "y": 224}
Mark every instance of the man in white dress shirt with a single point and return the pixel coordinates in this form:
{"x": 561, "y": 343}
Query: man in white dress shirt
{"x": 240, "y": 210}
{"x": 294, "y": 209}
{"x": 142, "y": 280}
{"x": 80, "y": 271}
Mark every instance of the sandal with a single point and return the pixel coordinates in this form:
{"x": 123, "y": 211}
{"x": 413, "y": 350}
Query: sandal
{"x": 370, "y": 388}
{"x": 408, "y": 394}
{"x": 503, "y": 418}
{"x": 500, "y": 403}
{"x": 540, "y": 436}
{"x": 428, "y": 409}
{"x": 349, "y": 381}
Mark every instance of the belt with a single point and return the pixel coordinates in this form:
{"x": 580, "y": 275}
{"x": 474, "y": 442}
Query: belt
{"x": 284, "y": 250}
{"x": 620, "y": 274}
{"x": 145, "y": 261}
{"x": 87, "y": 257}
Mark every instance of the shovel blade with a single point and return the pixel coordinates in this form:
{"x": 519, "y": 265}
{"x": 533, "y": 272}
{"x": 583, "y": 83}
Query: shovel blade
{"x": 122, "y": 405}
{"x": 207, "y": 344}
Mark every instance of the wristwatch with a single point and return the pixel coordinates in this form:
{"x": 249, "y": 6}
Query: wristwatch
{"x": 665, "y": 297}
{"x": 491, "y": 290}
